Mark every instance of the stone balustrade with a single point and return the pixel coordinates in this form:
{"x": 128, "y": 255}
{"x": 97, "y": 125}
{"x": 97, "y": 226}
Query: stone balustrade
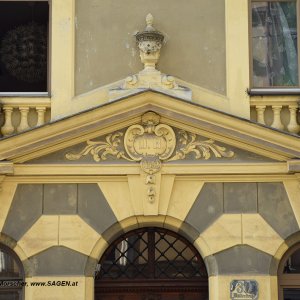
{"x": 282, "y": 115}
{"x": 22, "y": 114}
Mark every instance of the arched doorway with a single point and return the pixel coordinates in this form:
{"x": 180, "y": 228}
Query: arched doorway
{"x": 11, "y": 275}
{"x": 289, "y": 274}
{"x": 151, "y": 264}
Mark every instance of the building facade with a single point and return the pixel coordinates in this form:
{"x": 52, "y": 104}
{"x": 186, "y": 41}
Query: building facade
{"x": 153, "y": 160}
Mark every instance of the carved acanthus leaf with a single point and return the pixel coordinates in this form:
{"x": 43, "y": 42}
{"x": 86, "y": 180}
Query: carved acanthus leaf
{"x": 151, "y": 143}
{"x": 100, "y": 149}
{"x": 201, "y": 149}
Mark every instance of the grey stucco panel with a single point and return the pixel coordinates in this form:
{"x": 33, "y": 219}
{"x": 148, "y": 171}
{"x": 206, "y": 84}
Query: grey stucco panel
{"x": 275, "y": 208}
{"x": 105, "y": 36}
{"x": 207, "y": 207}
{"x": 25, "y": 210}
{"x": 240, "y": 197}
{"x": 60, "y": 199}
{"x": 242, "y": 259}
{"x": 93, "y": 207}
{"x": 58, "y": 260}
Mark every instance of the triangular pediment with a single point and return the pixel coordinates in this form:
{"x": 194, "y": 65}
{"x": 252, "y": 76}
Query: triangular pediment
{"x": 184, "y": 133}
{"x": 127, "y": 146}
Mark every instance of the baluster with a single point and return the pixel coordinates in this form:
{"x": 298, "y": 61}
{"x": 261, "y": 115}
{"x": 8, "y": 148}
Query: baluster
{"x": 276, "y": 117}
{"x": 7, "y": 128}
{"x": 41, "y": 115}
{"x": 293, "y": 125}
{"x": 24, "y": 110}
{"x": 260, "y": 110}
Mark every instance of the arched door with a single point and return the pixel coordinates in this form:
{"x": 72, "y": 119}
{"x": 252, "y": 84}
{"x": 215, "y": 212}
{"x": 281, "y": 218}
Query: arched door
{"x": 151, "y": 264}
{"x": 289, "y": 275}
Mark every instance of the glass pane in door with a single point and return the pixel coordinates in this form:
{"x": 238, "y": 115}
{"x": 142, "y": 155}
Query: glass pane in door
{"x": 291, "y": 294}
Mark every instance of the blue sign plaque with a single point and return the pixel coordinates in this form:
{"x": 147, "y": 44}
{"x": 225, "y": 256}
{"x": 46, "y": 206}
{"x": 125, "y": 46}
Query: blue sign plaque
{"x": 243, "y": 290}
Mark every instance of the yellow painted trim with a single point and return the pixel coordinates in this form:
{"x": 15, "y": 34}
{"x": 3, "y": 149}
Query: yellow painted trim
{"x": 293, "y": 189}
{"x": 62, "y": 56}
{"x": 76, "y": 169}
{"x": 225, "y": 232}
{"x": 149, "y": 221}
{"x": 117, "y": 195}
{"x": 6, "y": 168}
{"x": 46, "y": 139}
{"x": 173, "y": 224}
{"x": 98, "y": 178}
{"x": 226, "y": 168}
{"x": 130, "y": 223}
{"x": 20, "y": 252}
{"x": 256, "y": 232}
{"x": 26, "y": 101}
{"x": 99, "y": 248}
{"x": 43, "y": 234}
{"x": 274, "y": 100}
{"x": 202, "y": 247}
{"x": 280, "y": 251}
{"x": 76, "y": 234}
{"x": 238, "y": 178}
{"x": 134, "y": 169}
{"x": 76, "y": 140}
{"x": 237, "y": 57}
{"x": 227, "y": 140}
{"x": 183, "y": 197}
{"x": 7, "y": 192}
{"x": 89, "y": 288}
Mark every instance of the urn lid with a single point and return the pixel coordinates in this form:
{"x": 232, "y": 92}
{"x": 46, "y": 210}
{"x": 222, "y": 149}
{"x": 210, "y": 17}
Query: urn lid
{"x": 150, "y": 40}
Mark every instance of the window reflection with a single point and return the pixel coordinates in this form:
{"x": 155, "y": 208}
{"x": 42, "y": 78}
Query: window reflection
{"x": 10, "y": 269}
{"x": 274, "y": 43}
{"x": 292, "y": 264}
{"x": 8, "y": 266}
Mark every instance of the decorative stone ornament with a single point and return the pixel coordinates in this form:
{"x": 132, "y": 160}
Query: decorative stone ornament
{"x": 150, "y": 140}
{"x": 149, "y": 42}
{"x": 151, "y": 143}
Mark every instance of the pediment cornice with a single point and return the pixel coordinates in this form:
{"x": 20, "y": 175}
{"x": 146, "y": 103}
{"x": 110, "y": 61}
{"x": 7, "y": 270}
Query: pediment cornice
{"x": 128, "y": 111}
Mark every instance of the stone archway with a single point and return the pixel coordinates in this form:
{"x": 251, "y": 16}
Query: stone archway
{"x": 151, "y": 264}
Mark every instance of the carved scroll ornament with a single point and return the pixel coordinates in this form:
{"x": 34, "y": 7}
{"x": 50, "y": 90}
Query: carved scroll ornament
{"x": 151, "y": 143}
{"x": 200, "y": 149}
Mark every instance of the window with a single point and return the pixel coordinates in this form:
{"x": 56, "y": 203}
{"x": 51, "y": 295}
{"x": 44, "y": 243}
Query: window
{"x": 24, "y": 46}
{"x": 10, "y": 270}
{"x": 151, "y": 261}
{"x": 275, "y": 43}
{"x": 289, "y": 275}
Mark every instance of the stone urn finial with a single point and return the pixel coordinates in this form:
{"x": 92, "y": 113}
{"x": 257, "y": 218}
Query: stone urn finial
{"x": 149, "y": 42}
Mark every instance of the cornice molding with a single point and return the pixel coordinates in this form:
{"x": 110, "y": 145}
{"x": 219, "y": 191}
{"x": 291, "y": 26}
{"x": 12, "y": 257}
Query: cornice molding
{"x": 134, "y": 169}
{"x": 126, "y": 112}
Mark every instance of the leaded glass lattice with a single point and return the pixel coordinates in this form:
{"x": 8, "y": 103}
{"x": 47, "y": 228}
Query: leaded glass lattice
{"x": 151, "y": 253}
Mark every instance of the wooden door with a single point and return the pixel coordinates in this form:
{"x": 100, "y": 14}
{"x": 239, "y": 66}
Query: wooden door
{"x": 151, "y": 264}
